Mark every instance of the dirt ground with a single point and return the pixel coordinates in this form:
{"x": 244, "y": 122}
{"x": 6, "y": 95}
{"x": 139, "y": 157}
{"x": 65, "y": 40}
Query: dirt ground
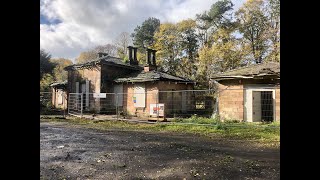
{"x": 71, "y": 152}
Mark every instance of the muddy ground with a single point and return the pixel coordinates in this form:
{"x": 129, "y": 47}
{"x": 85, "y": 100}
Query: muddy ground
{"x": 71, "y": 152}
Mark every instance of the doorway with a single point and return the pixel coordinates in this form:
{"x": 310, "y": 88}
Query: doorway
{"x": 262, "y": 106}
{"x": 84, "y": 88}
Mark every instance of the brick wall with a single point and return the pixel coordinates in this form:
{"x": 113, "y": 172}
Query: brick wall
{"x": 231, "y": 102}
{"x": 151, "y": 98}
{"x": 173, "y": 101}
{"x": 128, "y": 105}
{"x": 81, "y": 75}
{"x": 108, "y": 74}
{"x": 93, "y": 75}
{"x": 152, "y": 88}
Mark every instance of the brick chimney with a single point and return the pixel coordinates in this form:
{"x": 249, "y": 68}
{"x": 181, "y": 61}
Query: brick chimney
{"x": 130, "y": 54}
{"x": 146, "y": 68}
{"x": 154, "y": 58}
{"x": 133, "y": 55}
{"x": 151, "y": 60}
{"x": 148, "y": 56}
{"x": 135, "y": 60}
{"x": 102, "y": 54}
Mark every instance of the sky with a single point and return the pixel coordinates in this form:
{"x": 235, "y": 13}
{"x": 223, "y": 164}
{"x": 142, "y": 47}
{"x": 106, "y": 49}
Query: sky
{"x": 68, "y": 27}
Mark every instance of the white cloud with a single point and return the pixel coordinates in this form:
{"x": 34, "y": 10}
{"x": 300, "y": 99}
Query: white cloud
{"x": 85, "y": 24}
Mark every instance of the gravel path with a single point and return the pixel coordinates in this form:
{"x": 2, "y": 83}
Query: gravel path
{"x": 68, "y": 152}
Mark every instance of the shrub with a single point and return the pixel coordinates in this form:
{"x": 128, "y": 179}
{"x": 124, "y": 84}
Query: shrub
{"x": 231, "y": 121}
{"x": 220, "y": 127}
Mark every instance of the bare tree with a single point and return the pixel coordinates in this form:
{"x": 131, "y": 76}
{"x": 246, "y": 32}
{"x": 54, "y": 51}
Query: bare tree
{"x": 108, "y": 48}
{"x": 92, "y": 54}
{"x": 122, "y": 42}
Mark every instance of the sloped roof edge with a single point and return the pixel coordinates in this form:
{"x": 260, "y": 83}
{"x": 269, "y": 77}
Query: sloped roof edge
{"x": 151, "y": 76}
{"x": 103, "y": 60}
{"x": 251, "y": 71}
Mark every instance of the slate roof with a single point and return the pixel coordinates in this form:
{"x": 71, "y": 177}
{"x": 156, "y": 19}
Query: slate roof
{"x": 59, "y": 84}
{"x": 142, "y": 76}
{"x": 251, "y": 71}
{"x": 138, "y": 75}
{"x": 110, "y": 60}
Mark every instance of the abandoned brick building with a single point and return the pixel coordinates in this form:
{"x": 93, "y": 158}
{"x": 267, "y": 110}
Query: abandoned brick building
{"x": 136, "y": 86}
{"x": 250, "y": 94}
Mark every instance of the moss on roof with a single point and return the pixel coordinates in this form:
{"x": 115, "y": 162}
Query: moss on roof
{"x": 143, "y": 76}
{"x": 263, "y": 69}
{"x": 103, "y": 60}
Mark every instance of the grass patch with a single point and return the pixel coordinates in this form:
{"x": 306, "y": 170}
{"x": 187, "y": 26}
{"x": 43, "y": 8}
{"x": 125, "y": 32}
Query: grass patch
{"x": 196, "y": 119}
{"x": 261, "y": 132}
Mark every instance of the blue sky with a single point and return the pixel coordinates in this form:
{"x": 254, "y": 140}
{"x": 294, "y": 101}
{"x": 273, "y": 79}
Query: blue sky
{"x": 44, "y": 20}
{"x": 70, "y": 27}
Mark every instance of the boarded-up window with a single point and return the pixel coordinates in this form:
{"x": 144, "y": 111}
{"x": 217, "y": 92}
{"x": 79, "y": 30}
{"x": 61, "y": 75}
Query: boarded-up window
{"x": 184, "y": 101}
{"x": 87, "y": 92}
{"x": 118, "y": 90}
{"x": 77, "y": 87}
{"x": 139, "y": 96}
{"x": 59, "y": 97}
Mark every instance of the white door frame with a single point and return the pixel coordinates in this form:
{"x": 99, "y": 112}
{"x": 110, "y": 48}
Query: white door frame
{"x": 248, "y": 99}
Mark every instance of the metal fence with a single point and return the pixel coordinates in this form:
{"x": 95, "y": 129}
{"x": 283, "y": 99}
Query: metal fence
{"x": 45, "y": 100}
{"x": 184, "y": 103}
{"x": 250, "y": 104}
{"x": 87, "y": 103}
{"x": 47, "y": 105}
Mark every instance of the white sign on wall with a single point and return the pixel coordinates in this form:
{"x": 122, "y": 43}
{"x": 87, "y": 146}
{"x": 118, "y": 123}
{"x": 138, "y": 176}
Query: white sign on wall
{"x": 99, "y": 95}
{"x": 156, "y": 109}
{"x": 139, "y": 96}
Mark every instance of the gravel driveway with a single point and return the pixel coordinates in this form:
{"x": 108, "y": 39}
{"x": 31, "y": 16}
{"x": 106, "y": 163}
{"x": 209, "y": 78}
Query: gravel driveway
{"x": 71, "y": 152}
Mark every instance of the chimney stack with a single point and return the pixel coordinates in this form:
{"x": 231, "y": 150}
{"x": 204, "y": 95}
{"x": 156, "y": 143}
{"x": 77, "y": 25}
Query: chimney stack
{"x": 130, "y": 54}
{"x": 151, "y": 60}
{"x": 102, "y": 54}
{"x": 154, "y": 58}
{"x": 148, "y": 56}
{"x": 135, "y": 60}
{"x": 146, "y": 68}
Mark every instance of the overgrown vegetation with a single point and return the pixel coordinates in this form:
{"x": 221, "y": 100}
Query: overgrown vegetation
{"x": 214, "y": 41}
{"x": 51, "y": 70}
{"x": 196, "y": 119}
{"x": 268, "y": 134}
